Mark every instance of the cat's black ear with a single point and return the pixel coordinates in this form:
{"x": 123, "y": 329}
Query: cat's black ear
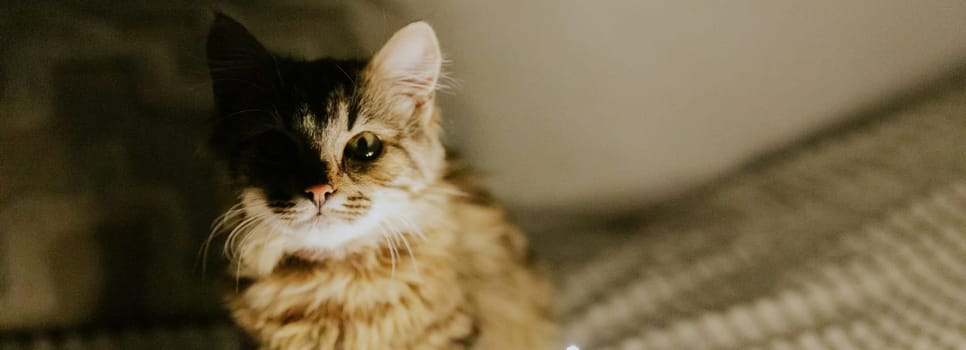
{"x": 242, "y": 70}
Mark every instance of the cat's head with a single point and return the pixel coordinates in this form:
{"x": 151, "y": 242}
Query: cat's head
{"x": 325, "y": 153}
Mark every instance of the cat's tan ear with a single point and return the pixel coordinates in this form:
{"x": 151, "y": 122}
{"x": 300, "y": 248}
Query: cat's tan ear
{"x": 409, "y": 63}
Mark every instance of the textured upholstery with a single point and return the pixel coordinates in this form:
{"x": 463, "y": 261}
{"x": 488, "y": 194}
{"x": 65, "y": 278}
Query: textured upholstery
{"x": 856, "y": 240}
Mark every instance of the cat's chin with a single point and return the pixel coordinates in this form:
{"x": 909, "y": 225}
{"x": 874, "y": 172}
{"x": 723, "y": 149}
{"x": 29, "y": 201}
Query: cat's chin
{"x": 313, "y": 223}
{"x": 321, "y": 238}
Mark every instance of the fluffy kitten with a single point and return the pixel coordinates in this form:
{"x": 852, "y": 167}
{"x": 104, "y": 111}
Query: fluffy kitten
{"x": 353, "y": 230}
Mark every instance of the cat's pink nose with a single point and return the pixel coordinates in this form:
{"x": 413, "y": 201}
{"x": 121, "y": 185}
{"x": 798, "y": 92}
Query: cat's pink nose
{"x": 319, "y": 192}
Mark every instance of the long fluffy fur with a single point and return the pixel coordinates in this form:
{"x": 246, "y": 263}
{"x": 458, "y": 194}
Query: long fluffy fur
{"x": 470, "y": 286}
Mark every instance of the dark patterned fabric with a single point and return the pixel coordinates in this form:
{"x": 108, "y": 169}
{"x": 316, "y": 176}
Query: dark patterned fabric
{"x": 106, "y": 193}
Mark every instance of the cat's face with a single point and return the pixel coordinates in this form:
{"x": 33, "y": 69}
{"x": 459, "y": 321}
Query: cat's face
{"x": 328, "y": 152}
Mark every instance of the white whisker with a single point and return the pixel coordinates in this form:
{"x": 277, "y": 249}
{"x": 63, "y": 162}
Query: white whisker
{"x": 243, "y": 228}
{"x": 219, "y": 224}
{"x": 392, "y": 254}
{"x": 237, "y": 274}
{"x": 401, "y": 235}
{"x": 230, "y": 212}
{"x": 448, "y": 190}
{"x": 245, "y": 237}
{"x": 217, "y": 228}
{"x": 407, "y": 226}
{"x": 412, "y": 255}
{"x": 411, "y": 227}
{"x": 229, "y": 248}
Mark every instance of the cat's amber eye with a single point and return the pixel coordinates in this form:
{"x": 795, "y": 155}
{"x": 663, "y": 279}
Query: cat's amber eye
{"x": 365, "y": 147}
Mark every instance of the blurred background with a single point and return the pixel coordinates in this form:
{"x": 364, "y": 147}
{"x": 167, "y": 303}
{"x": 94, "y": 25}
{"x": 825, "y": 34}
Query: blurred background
{"x": 577, "y": 112}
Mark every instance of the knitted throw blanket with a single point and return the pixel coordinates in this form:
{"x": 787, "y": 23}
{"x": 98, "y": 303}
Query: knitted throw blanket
{"x": 855, "y": 241}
